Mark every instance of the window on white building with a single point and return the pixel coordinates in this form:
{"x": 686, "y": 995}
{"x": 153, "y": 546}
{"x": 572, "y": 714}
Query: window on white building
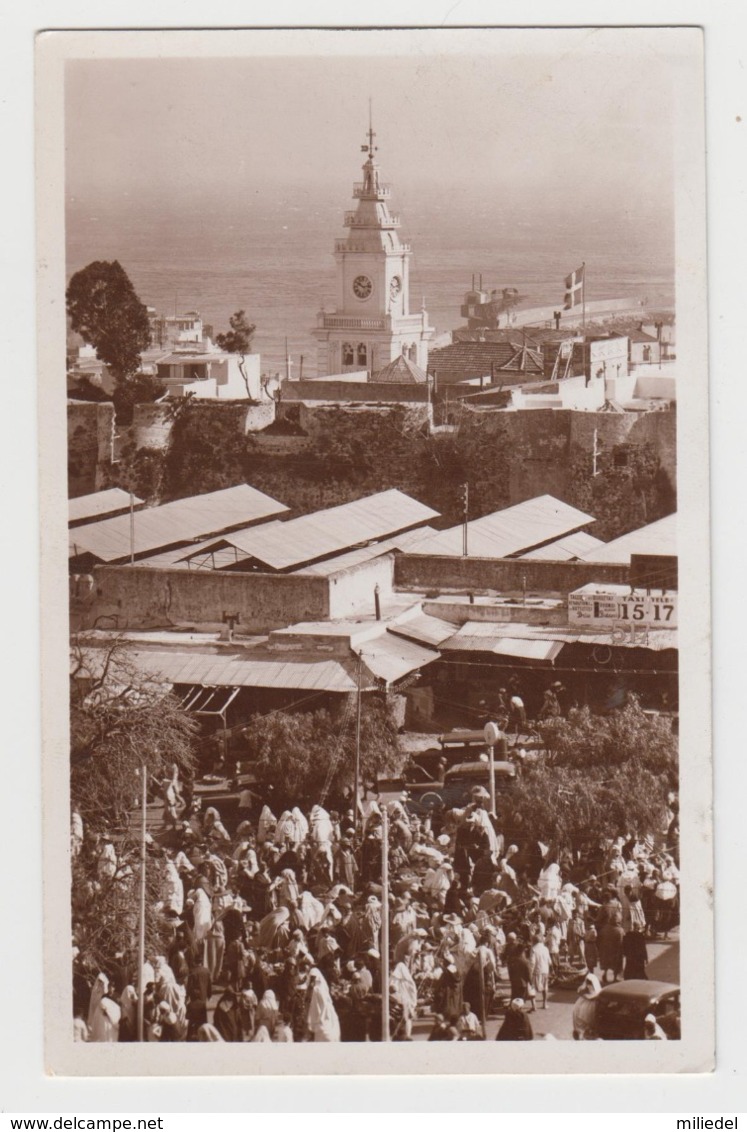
{"x": 362, "y": 354}
{"x": 348, "y": 354}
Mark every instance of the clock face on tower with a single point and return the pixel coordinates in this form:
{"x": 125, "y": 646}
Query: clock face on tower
{"x": 362, "y": 286}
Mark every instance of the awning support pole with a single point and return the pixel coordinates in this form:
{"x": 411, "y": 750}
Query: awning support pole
{"x": 385, "y": 925}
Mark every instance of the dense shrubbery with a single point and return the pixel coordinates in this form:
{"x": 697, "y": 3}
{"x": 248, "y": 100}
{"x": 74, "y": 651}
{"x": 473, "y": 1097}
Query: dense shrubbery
{"x": 604, "y": 776}
{"x": 298, "y": 755}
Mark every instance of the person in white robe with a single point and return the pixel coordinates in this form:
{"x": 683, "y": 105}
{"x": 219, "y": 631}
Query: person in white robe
{"x": 203, "y": 914}
{"x": 103, "y": 1013}
{"x": 322, "y": 1017}
{"x": 405, "y": 992}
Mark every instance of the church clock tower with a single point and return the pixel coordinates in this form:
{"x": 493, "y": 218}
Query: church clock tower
{"x": 372, "y": 324}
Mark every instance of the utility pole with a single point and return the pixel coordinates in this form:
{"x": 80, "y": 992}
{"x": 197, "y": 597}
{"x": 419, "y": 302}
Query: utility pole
{"x": 465, "y": 527}
{"x": 132, "y": 529}
{"x": 595, "y": 453}
{"x": 583, "y": 297}
{"x": 357, "y": 775}
{"x": 141, "y": 926}
{"x": 385, "y": 925}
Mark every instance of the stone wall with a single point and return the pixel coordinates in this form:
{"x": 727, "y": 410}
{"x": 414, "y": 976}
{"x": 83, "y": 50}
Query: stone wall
{"x": 90, "y": 436}
{"x": 430, "y": 573}
{"x": 152, "y": 425}
{"x": 342, "y": 391}
{"x": 129, "y": 597}
{"x": 320, "y": 455}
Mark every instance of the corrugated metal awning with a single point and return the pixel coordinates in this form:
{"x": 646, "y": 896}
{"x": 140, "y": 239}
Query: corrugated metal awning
{"x": 528, "y": 650}
{"x": 511, "y": 531}
{"x": 208, "y": 701}
{"x": 183, "y": 521}
{"x": 231, "y": 669}
{"x": 281, "y": 546}
{"x": 86, "y": 508}
{"x": 484, "y": 636}
{"x": 424, "y": 630}
{"x": 391, "y": 658}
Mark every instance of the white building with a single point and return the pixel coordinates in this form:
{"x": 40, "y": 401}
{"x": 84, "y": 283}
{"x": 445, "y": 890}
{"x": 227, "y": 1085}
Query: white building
{"x": 210, "y": 373}
{"x": 372, "y": 324}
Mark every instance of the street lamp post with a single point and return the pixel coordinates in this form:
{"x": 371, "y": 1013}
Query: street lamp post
{"x": 141, "y": 925}
{"x": 493, "y": 735}
{"x": 385, "y": 1037}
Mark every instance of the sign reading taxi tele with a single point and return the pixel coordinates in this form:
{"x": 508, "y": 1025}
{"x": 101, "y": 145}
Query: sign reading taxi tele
{"x": 618, "y": 606}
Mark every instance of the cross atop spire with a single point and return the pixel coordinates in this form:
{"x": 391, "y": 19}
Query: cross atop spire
{"x": 371, "y": 135}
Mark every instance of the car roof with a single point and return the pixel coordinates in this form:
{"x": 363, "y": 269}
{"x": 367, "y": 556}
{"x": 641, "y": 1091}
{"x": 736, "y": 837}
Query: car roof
{"x": 472, "y": 768}
{"x": 462, "y": 737}
{"x": 648, "y": 989}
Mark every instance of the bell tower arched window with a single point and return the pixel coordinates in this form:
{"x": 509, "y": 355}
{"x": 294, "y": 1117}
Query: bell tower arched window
{"x": 362, "y": 358}
{"x": 348, "y": 354}
{"x": 413, "y": 353}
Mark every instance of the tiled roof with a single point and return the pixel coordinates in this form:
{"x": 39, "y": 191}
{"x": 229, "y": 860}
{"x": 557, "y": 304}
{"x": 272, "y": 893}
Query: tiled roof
{"x": 401, "y": 370}
{"x": 462, "y": 360}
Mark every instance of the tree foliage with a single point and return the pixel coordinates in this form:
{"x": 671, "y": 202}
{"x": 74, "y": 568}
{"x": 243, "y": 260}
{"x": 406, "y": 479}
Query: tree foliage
{"x": 299, "y": 754}
{"x": 106, "y": 909}
{"x": 142, "y": 389}
{"x": 119, "y": 721}
{"x": 570, "y": 806}
{"x": 238, "y": 340}
{"x": 105, "y": 310}
{"x": 627, "y": 737}
{"x": 605, "y": 776}
{"x": 207, "y": 450}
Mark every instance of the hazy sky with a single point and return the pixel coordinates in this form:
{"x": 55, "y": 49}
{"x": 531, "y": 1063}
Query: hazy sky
{"x": 573, "y": 123}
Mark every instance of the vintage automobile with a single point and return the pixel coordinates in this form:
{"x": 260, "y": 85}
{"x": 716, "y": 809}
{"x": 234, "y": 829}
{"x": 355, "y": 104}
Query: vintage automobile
{"x": 458, "y": 783}
{"x": 622, "y": 1007}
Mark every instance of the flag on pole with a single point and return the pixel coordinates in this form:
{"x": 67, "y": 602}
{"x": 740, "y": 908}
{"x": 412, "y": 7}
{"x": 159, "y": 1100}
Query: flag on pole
{"x": 574, "y": 288}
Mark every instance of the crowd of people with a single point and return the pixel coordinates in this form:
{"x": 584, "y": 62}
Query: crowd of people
{"x": 274, "y": 932}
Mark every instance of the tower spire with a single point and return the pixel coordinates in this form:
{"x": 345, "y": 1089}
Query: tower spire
{"x": 371, "y": 135}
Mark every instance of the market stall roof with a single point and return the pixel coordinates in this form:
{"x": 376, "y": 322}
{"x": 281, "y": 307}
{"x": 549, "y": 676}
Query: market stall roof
{"x": 365, "y": 553}
{"x": 282, "y": 546}
{"x": 491, "y": 636}
{"x": 508, "y": 532}
{"x": 232, "y": 669}
{"x": 390, "y": 658}
{"x": 208, "y": 701}
{"x": 85, "y": 508}
{"x": 659, "y": 537}
{"x": 424, "y": 629}
{"x": 182, "y": 521}
{"x": 566, "y": 548}
{"x": 487, "y": 636}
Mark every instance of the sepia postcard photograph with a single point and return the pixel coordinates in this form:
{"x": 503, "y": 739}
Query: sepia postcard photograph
{"x": 375, "y": 556}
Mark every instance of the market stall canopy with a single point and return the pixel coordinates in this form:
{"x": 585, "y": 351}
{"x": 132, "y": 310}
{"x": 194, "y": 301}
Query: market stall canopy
{"x": 655, "y": 538}
{"x": 230, "y": 669}
{"x": 512, "y": 531}
{"x": 182, "y": 521}
{"x": 112, "y": 501}
{"x": 566, "y": 548}
{"x": 310, "y": 538}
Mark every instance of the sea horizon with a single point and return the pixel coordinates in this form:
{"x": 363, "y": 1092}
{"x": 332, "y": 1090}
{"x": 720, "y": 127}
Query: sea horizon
{"x": 271, "y": 254}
